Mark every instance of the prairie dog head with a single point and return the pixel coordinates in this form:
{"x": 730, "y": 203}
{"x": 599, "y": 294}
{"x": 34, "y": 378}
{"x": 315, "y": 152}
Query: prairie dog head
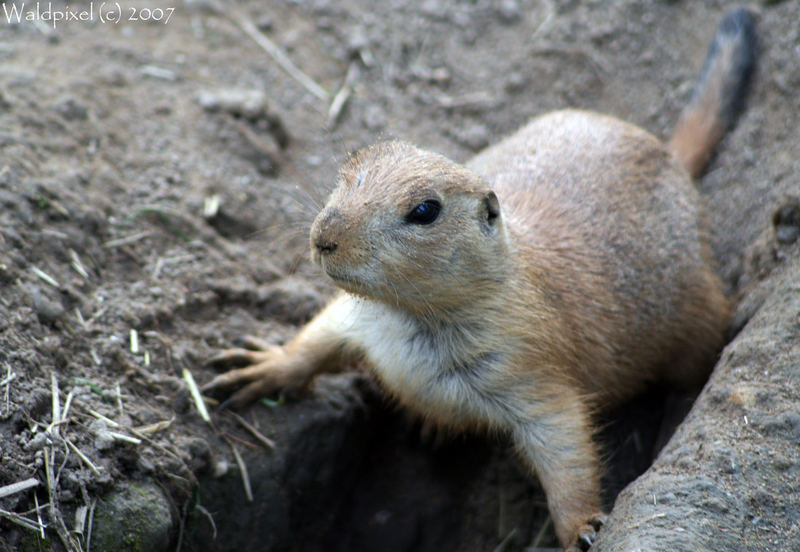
{"x": 412, "y": 229}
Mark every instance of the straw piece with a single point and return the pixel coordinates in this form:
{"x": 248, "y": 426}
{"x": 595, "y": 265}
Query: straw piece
{"x": 248, "y": 490}
{"x": 126, "y": 438}
{"x": 18, "y": 487}
{"x": 99, "y": 416}
{"x": 83, "y": 457}
{"x": 45, "y": 276}
{"x": 198, "y": 398}
{"x": 278, "y": 55}
{"x": 266, "y": 441}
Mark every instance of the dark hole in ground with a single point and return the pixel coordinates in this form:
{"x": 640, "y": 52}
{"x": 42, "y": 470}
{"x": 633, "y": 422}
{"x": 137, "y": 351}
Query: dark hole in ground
{"x": 370, "y": 481}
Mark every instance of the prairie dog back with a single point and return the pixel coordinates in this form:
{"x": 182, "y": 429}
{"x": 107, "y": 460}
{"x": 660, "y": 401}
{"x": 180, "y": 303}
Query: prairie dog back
{"x": 617, "y": 222}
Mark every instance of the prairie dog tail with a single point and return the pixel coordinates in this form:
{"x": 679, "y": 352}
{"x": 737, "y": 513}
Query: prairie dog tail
{"x": 719, "y": 91}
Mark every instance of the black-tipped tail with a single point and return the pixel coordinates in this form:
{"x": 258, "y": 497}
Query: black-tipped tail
{"x": 719, "y": 92}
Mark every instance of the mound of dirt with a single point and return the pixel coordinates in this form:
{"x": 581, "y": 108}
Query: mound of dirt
{"x": 157, "y": 179}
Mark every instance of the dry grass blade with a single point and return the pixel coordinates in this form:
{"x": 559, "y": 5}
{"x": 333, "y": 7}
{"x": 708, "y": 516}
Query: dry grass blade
{"x": 40, "y": 526}
{"x": 56, "y": 419}
{"x": 537, "y": 540}
{"x": 341, "y": 97}
{"x": 248, "y": 490}
{"x": 267, "y": 147}
{"x": 18, "y": 487}
{"x": 22, "y": 521}
{"x": 99, "y": 416}
{"x": 211, "y": 206}
{"x": 206, "y": 513}
{"x": 198, "y": 398}
{"x": 547, "y": 22}
{"x": 277, "y": 54}
{"x": 9, "y": 376}
{"x": 266, "y": 441}
{"x": 91, "y": 525}
{"x": 7, "y": 381}
{"x": 506, "y": 541}
{"x": 153, "y": 428}
{"x": 80, "y": 519}
{"x": 134, "y": 341}
{"x": 77, "y": 264}
{"x": 67, "y": 405}
{"x": 118, "y": 390}
{"x": 66, "y": 539}
{"x": 45, "y": 277}
{"x": 83, "y": 457}
{"x": 125, "y": 438}
{"x": 127, "y": 240}
{"x": 80, "y": 319}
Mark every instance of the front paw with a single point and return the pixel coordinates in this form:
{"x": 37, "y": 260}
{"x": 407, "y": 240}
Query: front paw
{"x": 265, "y": 372}
{"x": 587, "y": 533}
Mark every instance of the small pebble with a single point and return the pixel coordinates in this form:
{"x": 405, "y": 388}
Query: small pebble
{"x": 37, "y": 443}
{"x": 251, "y": 104}
{"x": 509, "y": 11}
{"x": 102, "y": 436}
{"x": 475, "y": 137}
{"x": 374, "y": 117}
{"x": 515, "y": 82}
{"x": 356, "y": 40}
{"x": 145, "y": 465}
{"x": 72, "y": 110}
{"x": 265, "y": 23}
{"x": 46, "y": 309}
{"x": 221, "y": 467}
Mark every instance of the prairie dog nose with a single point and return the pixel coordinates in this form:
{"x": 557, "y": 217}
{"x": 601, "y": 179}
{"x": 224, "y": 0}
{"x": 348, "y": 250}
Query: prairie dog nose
{"x": 324, "y": 231}
{"x": 325, "y": 247}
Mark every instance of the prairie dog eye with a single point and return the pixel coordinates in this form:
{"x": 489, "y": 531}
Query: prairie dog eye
{"x": 424, "y": 213}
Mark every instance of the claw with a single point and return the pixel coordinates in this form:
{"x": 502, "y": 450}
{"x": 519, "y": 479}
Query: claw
{"x": 237, "y": 357}
{"x": 224, "y": 405}
{"x": 598, "y": 521}
{"x": 257, "y": 344}
{"x": 588, "y": 533}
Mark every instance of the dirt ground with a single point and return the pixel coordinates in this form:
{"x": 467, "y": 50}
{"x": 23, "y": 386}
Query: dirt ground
{"x": 157, "y": 180}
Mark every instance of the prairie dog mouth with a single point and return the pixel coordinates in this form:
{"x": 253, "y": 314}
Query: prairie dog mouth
{"x": 341, "y": 278}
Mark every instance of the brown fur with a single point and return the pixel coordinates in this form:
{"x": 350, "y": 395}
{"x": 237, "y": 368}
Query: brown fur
{"x": 719, "y": 92}
{"x": 594, "y": 280}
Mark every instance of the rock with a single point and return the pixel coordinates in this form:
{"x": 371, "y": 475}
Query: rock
{"x": 374, "y": 117}
{"x": 72, "y": 110}
{"x": 516, "y": 82}
{"x": 134, "y": 518}
{"x": 103, "y": 440}
{"x": 48, "y": 310}
{"x": 248, "y": 103}
{"x": 475, "y": 136}
{"x": 37, "y": 442}
{"x": 509, "y": 11}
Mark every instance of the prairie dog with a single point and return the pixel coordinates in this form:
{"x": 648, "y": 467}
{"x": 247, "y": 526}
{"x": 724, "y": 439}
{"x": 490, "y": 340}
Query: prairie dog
{"x": 556, "y": 273}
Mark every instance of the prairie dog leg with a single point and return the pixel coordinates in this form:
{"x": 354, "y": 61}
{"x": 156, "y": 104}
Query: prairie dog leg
{"x": 319, "y": 347}
{"x": 556, "y": 441}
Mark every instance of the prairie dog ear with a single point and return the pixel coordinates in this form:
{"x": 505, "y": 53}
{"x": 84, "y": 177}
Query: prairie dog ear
{"x": 490, "y": 213}
{"x": 492, "y": 206}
